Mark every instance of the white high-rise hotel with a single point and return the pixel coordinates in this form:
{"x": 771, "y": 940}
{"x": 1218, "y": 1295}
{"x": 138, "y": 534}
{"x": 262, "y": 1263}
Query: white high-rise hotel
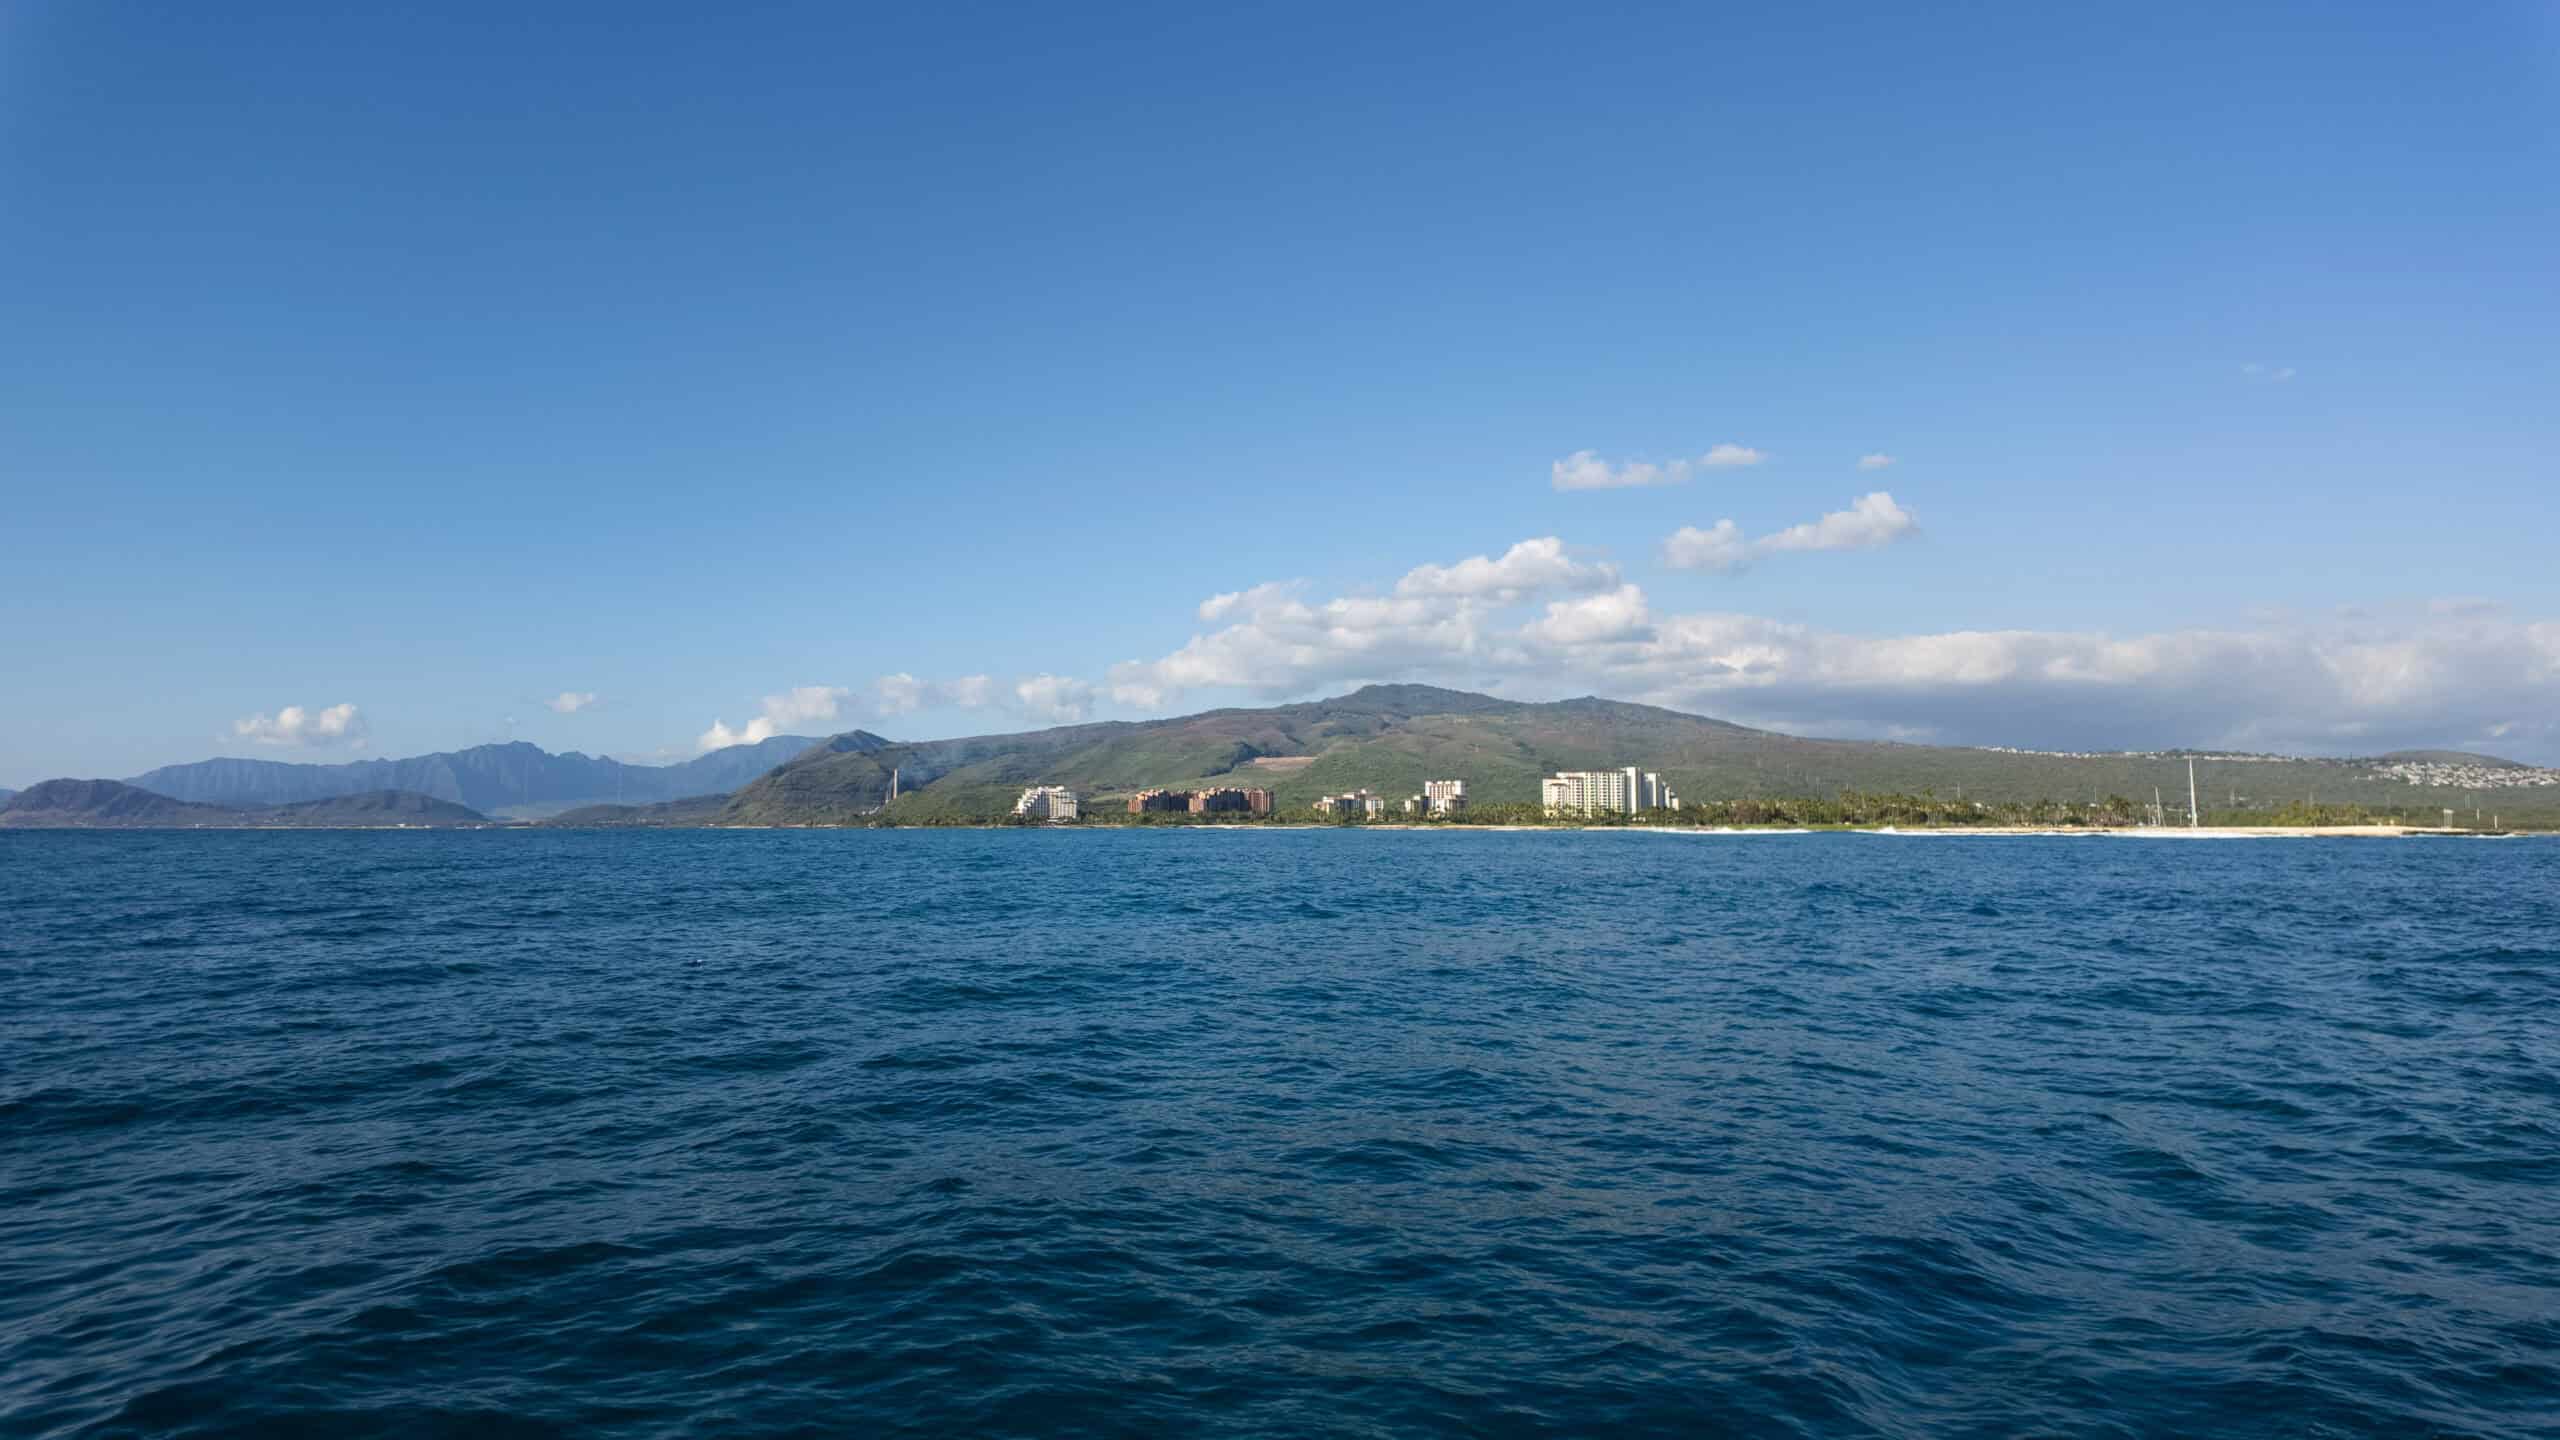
{"x": 1047, "y": 802}
{"x": 1599, "y": 792}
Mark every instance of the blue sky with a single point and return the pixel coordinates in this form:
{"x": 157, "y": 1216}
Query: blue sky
{"x": 718, "y": 362}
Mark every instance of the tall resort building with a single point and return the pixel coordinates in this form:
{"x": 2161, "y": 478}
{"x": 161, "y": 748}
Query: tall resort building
{"x": 1605, "y": 792}
{"x": 1047, "y": 802}
{"x": 1438, "y": 797}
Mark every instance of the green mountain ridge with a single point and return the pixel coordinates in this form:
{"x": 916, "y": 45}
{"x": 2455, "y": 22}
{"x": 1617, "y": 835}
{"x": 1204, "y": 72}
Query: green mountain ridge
{"x": 1390, "y": 738}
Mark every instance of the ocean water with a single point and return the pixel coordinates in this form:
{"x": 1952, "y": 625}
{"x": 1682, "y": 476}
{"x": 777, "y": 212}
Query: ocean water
{"x": 1229, "y": 1134}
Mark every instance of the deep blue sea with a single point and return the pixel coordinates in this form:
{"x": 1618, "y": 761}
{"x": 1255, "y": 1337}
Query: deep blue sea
{"x": 1207, "y": 1133}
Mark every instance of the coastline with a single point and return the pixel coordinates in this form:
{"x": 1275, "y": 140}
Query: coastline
{"x": 2169, "y": 832}
{"x": 2209, "y": 832}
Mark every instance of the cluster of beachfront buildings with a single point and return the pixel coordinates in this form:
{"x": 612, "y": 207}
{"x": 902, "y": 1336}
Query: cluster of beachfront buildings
{"x": 1605, "y": 792}
{"x": 1201, "y": 802}
{"x": 1568, "y": 792}
{"x": 2465, "y": 774}
{"x": 1441, "y": 798}
{"x": 1057, "y": 802}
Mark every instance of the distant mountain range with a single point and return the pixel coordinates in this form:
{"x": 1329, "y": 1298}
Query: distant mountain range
{"x": 516, "y": 780}
{"x": 1385, "y": 738}
{"x": 110, "y": 804}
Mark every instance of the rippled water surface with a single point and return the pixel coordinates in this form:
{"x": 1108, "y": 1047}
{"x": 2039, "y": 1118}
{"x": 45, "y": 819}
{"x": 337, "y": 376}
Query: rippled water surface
{"x": 1183, "y": 1133}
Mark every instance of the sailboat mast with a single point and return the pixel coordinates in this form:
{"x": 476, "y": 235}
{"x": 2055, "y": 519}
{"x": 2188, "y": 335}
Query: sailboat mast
{"x": 2194, "y": 820}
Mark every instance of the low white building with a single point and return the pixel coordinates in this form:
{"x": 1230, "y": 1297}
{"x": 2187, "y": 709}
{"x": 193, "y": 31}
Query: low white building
{"x": 1606, "y": 792}
{"x": 1356, "y": 802}
{"x": 1047, "y": 802}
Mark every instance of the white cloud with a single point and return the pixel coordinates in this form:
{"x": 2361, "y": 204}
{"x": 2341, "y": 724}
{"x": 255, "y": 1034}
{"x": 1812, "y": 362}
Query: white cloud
{"x": 1613, "y": 617}
{"x": 1246, "y": 602}
{"x": 1275, "y": 641}
{"x": 2270, "y": 374}
{"x": 1722, "y": 548}
{"x": 570, "y": 702}
{"x": 899, "y": 694}
{"x": 805, "y": 704}
{"x": 293, "y": 725}
{"x": 1055, "y": 698}
{"x": 1870, "y": 522}
{"x": 904, "y": 694}
{"x": 721, "y": 737}
{"x": 1047, "y": 698}
{"x": 1524, "y": 569}
{"x": 1135, "y": 692}
{"x": 2419, "y": 676}
{"x": 1586, "y": 470}
{"x": 782, "y": 715}
{"x": 1875, "y": 460}
{"x": 2359, "y": 686}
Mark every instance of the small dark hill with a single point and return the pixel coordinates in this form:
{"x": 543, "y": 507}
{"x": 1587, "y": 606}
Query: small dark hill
{"x": 373, "y": 807}
{"x": 97, "y": 803}
{"x": 694, "y": 810}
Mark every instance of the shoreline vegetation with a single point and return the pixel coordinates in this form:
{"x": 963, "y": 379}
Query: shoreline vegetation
{"x": 1854, "y": 812}
{"x": 1578, "y": 826}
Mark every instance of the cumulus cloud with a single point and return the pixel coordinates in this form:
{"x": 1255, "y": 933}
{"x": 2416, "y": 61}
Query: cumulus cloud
{"x": 570, "y": 702}
{"x": 1130, "y": 687}
{"x": 2354, "y": 684}
{"x": 1056, "y": 698}
{"x": 2358, "y": 686}
{"x": 1586, "y": 470}
{"x": 1614, "y": 617}
{"x": 1871, "y": 522}
{"x": 1246, "y": 602}
{"x": 805, "y": 704}
{"x": 793, "y": 709}
{"x": 721, "y": 737}
{"x": 1719, "y": 549}
{"x": 294, "y": 725}
{"x": 1524, "y": 569}
{"x": 1874, "y": 460}
{"x": 827, "y": 708}
{"x": 904, "y": 694}
{"x": 1274, "y": 637}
